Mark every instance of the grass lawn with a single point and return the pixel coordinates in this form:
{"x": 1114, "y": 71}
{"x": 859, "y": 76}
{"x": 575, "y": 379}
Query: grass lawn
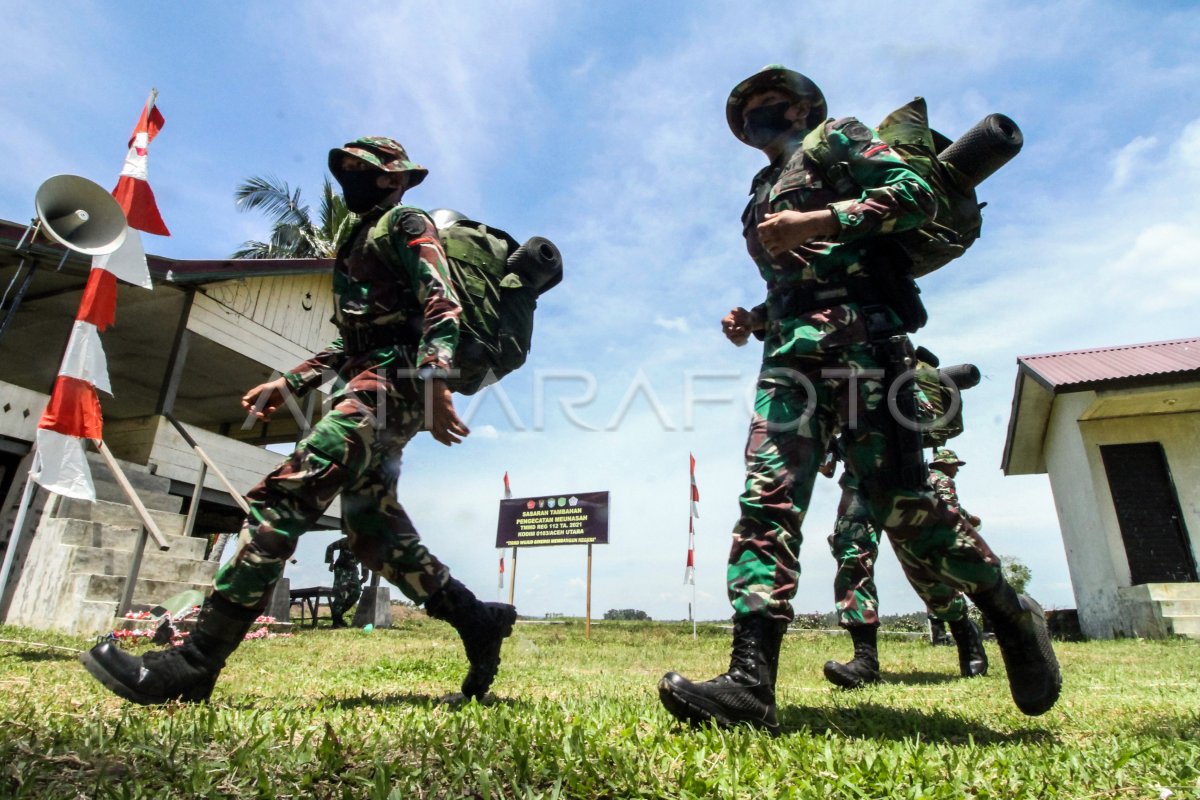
{"x": 350, "y": 714}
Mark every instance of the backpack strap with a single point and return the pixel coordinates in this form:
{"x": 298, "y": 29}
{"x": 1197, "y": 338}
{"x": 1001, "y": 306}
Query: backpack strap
{"x": 819, "y": 152}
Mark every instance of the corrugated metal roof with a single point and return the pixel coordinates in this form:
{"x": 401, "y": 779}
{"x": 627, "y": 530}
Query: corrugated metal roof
{"x": 1058, "y": 370}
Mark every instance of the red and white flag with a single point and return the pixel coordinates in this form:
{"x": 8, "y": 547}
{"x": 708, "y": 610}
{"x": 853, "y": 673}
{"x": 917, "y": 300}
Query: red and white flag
{"x": 695, "y": 491}
{"x": 507, "y": 496}
{"x": 689, "y": 573}
{"x": 73, "y": 413}
{"x": 133, "y": 191}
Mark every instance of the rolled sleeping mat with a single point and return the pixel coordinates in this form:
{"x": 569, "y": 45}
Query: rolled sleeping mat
{"x": 538, "y": 262}
{"x": 987, "y": 147}
{"x": 963, "y": 376}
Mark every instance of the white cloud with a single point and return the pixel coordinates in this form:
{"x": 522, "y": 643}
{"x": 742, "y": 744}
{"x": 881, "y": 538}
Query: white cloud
{"x": 679, "y": 324}
{"x": 1129, "y": 158}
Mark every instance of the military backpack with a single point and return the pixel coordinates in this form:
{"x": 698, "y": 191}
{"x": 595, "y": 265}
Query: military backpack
{"x": 952, "y": 170}
{"x": 498, "y": 283}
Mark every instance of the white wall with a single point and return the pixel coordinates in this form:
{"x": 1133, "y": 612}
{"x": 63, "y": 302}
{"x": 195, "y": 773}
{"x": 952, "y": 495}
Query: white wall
{"x": 1095, "y": 551}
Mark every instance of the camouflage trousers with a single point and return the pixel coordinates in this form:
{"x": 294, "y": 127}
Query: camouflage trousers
{"x": 799, "y": 404}
{"x": 353, "y": 451}
{"x": 347, "y": 588}
{"x": 855, "y": 546}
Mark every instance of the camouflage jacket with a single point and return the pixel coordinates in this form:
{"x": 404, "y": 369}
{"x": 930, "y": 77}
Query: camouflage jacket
{"x": 413, "y": 290}
{"x": 943, "y": 486}
{"x": 889, "y": 197}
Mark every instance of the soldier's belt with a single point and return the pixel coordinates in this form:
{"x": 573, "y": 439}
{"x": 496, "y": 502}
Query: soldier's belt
{"x": 800, "y": 299}
{"x": 365, "y": 338}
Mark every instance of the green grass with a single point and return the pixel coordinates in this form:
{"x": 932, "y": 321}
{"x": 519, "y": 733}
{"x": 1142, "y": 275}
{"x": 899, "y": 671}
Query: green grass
{"x": 348, "y": 714}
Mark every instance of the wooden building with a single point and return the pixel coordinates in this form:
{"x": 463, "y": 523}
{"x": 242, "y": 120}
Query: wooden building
{"x": 188, "y": 349}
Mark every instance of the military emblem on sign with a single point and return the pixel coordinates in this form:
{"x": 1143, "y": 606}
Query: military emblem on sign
{"x": 531, "y": 505}
{"x": 550, "y": 502}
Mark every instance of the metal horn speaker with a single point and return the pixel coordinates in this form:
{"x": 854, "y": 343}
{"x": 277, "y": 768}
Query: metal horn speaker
{"x": 80, "y": 215}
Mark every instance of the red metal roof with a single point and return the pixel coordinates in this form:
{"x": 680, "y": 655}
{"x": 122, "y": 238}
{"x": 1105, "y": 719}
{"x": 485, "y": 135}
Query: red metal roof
{"x": 1058, "y": 370}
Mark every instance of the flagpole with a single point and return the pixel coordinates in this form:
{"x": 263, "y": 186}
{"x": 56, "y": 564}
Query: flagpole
{"x": 14, "y": 539}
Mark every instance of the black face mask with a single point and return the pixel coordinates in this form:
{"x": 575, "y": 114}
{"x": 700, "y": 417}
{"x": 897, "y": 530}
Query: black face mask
{"x": 360, "y": 191}
{"x": 765, "y": 124}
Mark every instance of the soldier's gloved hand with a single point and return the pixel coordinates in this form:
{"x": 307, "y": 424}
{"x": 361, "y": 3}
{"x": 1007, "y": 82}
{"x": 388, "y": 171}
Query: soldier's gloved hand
{"x": 442, "y": 419}
{"x": 783, "y": 231}
{"x": 263, "y": 400}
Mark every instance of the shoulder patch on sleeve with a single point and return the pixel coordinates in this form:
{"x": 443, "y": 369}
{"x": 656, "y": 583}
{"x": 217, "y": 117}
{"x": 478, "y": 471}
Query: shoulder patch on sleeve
{"x": 412, "y": 222}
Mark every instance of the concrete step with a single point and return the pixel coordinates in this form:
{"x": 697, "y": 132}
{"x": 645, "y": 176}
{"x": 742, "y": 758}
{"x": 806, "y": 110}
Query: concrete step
{"x": 110, "y": 588}
{"x": 84, "y": 533}
{"x": 1185, "y": 626}
{"x": 1163, "y": 592}
{"x": 119, "y": 515}
{"x": 157, "y": 566}
{"x": 92, "y": 617}
{"x": 151, "y": 489}
{"x": 1179, "y": 608}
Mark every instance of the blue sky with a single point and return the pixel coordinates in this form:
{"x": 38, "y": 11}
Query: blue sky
{"x": 601, "y": 126}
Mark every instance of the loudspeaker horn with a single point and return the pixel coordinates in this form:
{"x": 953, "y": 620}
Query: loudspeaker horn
{"x": 80, "y": 215}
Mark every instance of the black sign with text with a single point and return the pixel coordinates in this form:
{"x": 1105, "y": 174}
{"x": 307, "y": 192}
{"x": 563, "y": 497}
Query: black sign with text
{"x": 580, "y": 518}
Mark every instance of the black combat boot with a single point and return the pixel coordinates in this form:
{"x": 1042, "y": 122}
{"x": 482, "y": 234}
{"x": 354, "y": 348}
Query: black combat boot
{"x": 864, "y": 667}
{"x": 483, "y": 628}
{"x": 972, "y": 660}
{"x": 1020, "y": 627}
{"x": 187, "y": 672}
{"x": 744, "y": 694}
{"x": 937, "y": 633}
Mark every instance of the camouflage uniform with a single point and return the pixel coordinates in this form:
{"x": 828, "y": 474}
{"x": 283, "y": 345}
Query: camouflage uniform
{"x": 855, "y": 546}
{"x": 821, "y": 373}
{"x": 816, "y": 354}
{"x": 397, "y": 312}
{"x": 347, "y": 579}
{"x": 391, "y": 325}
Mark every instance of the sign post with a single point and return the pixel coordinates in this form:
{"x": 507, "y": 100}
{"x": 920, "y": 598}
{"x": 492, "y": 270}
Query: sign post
{"x": 580, "y": 518}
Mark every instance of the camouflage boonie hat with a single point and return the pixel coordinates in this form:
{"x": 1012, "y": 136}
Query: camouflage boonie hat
{"x": 379, "y": 151}
{"x": 944, "y": 455}
{"x": 774, "y": 76}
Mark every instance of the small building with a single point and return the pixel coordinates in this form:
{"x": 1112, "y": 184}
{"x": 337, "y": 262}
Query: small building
{"x": 186, "y": 350}
{"x": 1117, "y": 429}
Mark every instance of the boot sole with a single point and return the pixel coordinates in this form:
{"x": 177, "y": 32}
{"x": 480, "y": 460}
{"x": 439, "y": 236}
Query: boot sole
{"x": 1038, "y": 706}
{"x": 97, "y": 671}
{"x": 697, "y": 713}
{"x": 504, "y": 618}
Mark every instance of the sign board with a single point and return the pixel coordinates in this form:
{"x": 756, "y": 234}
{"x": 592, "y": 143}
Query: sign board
{"x": 580, "y": 518}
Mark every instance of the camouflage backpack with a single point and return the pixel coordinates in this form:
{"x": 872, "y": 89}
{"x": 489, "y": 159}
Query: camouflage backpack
{"x": 932, "y": 381}
{"x": 498, "y": 283}
{"x": 952, "y": 170}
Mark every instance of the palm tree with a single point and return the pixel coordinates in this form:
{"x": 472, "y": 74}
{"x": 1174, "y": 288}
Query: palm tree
{"x": 293, "y": 232}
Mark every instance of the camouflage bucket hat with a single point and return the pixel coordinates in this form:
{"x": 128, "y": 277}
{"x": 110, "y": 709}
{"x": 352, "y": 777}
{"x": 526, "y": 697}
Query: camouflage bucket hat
{"x": 379, "y": 151}
{"x": 774, "y": 76}
{"x": 944, "y": 455}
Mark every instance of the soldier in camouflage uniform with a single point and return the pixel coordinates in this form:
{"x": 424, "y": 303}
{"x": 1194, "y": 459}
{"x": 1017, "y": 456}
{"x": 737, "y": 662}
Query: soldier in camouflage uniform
{"x": 347, "y": 579}
{"x": 819, "y": 375}
{"x": 397, "y": 315}
{"x": 855, "y": 546}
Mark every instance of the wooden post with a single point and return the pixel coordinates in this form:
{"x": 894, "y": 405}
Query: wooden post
{"x": 134, "y": 568}
{"x": 588, "y": 623}
{"x": 512, "y": 580}
{"x": 229, "y": 487}
{"x": 134, "y": 500}
{"x": 194, "y": 508}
